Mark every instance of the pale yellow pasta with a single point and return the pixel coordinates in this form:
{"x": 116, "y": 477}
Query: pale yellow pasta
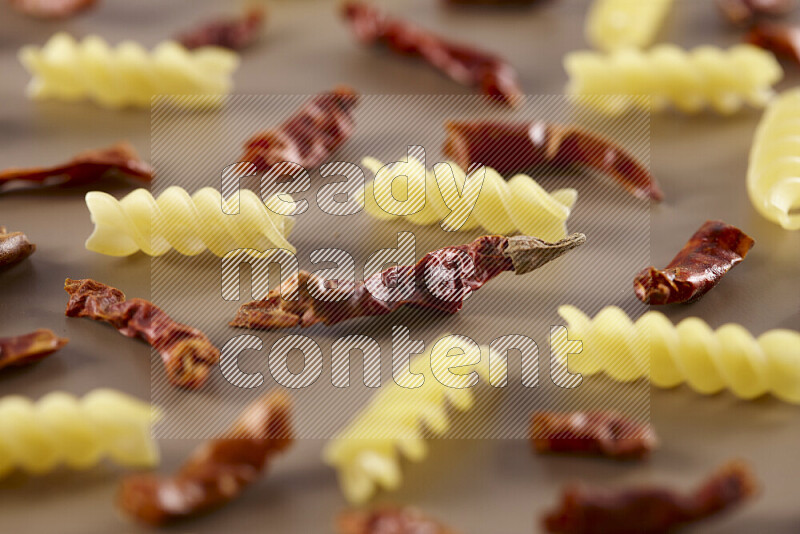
{"x": 189, "y": 224}
{"x": 60, "y": 429}
{"x": 689, "y": 80}
{"x": 368, "y": 453}
{"x": 773, "y": 178}
{"x": 690, "y": 352}
{"x": 615, "y": 24}
{"x": 519, "y": 205}
{"x": 128, "y": 74}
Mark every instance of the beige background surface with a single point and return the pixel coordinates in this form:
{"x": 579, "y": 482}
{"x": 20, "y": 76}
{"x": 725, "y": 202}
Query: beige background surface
{"x": 483, "y": 487}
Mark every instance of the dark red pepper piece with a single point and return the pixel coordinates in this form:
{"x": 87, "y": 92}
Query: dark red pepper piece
{"x": 780, "y": 39}
{"x": 650, "y": 510}
{"x": 593, "y": 433}
{"x": 511, "y": 147}
{"x": 462, "y": 63}
{"x": 234, "y": 33}
{"x": 27, "y": 349}
{"x": 710, "y": 253}
{"x": 743, "y": 12}
{"x": 389, "y": 520}
{"x": 490, "y": 256}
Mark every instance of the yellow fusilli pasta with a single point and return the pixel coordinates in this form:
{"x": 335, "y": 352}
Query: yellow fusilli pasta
{"x": 708, "y": 360}
{"x": 367, "y": 454}
{"x": 689, "y": 80}
{"x": 500, "y": 207}
{"x": 615, "y": 24}
{"x": 126, "y": 75}
{"x": 189, "y": 224}
{"x": 773, "y": 179}
{"x": 62, "y": 430}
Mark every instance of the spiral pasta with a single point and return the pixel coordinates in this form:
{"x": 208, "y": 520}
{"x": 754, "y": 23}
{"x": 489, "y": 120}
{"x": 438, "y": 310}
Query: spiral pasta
{"x": 689, "y": 80}
{"x": 189, "y": 224}
{"x": 126, "y": 75}
{"x": 79, "y": 433}
{"x": 367, "y": 454}
{"x": 615, "y": 24}
{"x": 501, "y": 207}
{"x": 708, "y": 360}
{"x": 773, "y": 178}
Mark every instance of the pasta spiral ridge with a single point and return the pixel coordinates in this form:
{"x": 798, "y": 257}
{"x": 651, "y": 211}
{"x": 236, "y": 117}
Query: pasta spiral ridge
{"x": 79, "y": 433}
{"x": 126, "y": 75}
{"x": 773, "y": 177}
{"x": 689, "y": 80}
{"x": 368, "y": 452}
{"x": 189, "y": 224}
{"x": 615, "y": 24}
{"x": 707, "y": 360}
{"x": 502, "y": 207}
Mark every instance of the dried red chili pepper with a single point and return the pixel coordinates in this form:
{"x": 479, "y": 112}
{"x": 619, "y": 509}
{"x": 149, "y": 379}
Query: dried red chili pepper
{"x": 464, "y": 64}
{"x": 27, "y": 349}
{"x": 510, "y": 147}
{"x": 218, "y": 471}
{"x": 389, "y": 520}
{"x": 594, "y": 432}
{"x": 235, "y": 33}
{"x": 710, "y": 253}
{"x": 743, "y": 12}
{"x": 86, "y": 167}
{"x": 781, "y": 39}
{"x": 51, "y": 9}
{"x": 309, "y": 136}
{"x": 187, "y": 353}
{"x": 14, "y": 247}
{"x": 649, "y": 509}
{"x": 449, "y": 271}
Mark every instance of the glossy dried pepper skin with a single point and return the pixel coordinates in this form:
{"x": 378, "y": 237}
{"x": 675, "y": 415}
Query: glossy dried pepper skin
{"x": 187, "y": 353}
{"x": 466, "y": 65}
{"x": 710, "y": 253}
{"x": 308, "y": 137}
{"x": 780, "y": 39}
{"x": 489, "y": 255}
{"x": 232, "y": 33}
{"x": 651, "y": 510}
{"x": 87, "y": 167}
{"x": 594, "y": 433}
{"x": 511, "y": 147}
{"x": 27, "y": 349}
{"x": 51, "y": 9}
{"x": 216, "y": 472}
{"x": 389, "y": 520}
{"x": 742, "y": 12}
{"x": 14, "y": 247}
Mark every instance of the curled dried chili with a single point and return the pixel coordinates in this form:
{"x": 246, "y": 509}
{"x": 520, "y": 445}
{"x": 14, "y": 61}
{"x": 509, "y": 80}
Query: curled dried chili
{"x": 389, "y": 520}
{"x": 51, "y": 9}
{"x": 308, "y": 137}
{"x": 510, "y": 147}
{"x": 495, "y": 77}
{"x": 781, "y": 39}
{"x": 86, "y": 167}
{"x": 451, "y": 271}
{"x": 27, "y": 349}
{"x": 218, "y": 471}
{"x": 234, "y": 33}
{"x": 187, "y": 353}
{"x": 14, "y": 247}
{"x": 650, "y": 509}
{"x": 743, "y": 12}
{"x": 710, "y": 253}
{"x": 599, "y": 433}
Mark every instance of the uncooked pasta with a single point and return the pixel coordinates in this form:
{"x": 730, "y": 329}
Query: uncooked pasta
{"x": 500, "y": 207}
{"x": 725, "y": 80}
{"x": 60, "y": 429}
{"x": 367, "y": 454}
{"x": 690, "y": 352}
{"x": 615, "y": 24}
{"x": 773, "y": 179}
{"x": 189, "y": 224}
{"x": 128, "y": 74}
